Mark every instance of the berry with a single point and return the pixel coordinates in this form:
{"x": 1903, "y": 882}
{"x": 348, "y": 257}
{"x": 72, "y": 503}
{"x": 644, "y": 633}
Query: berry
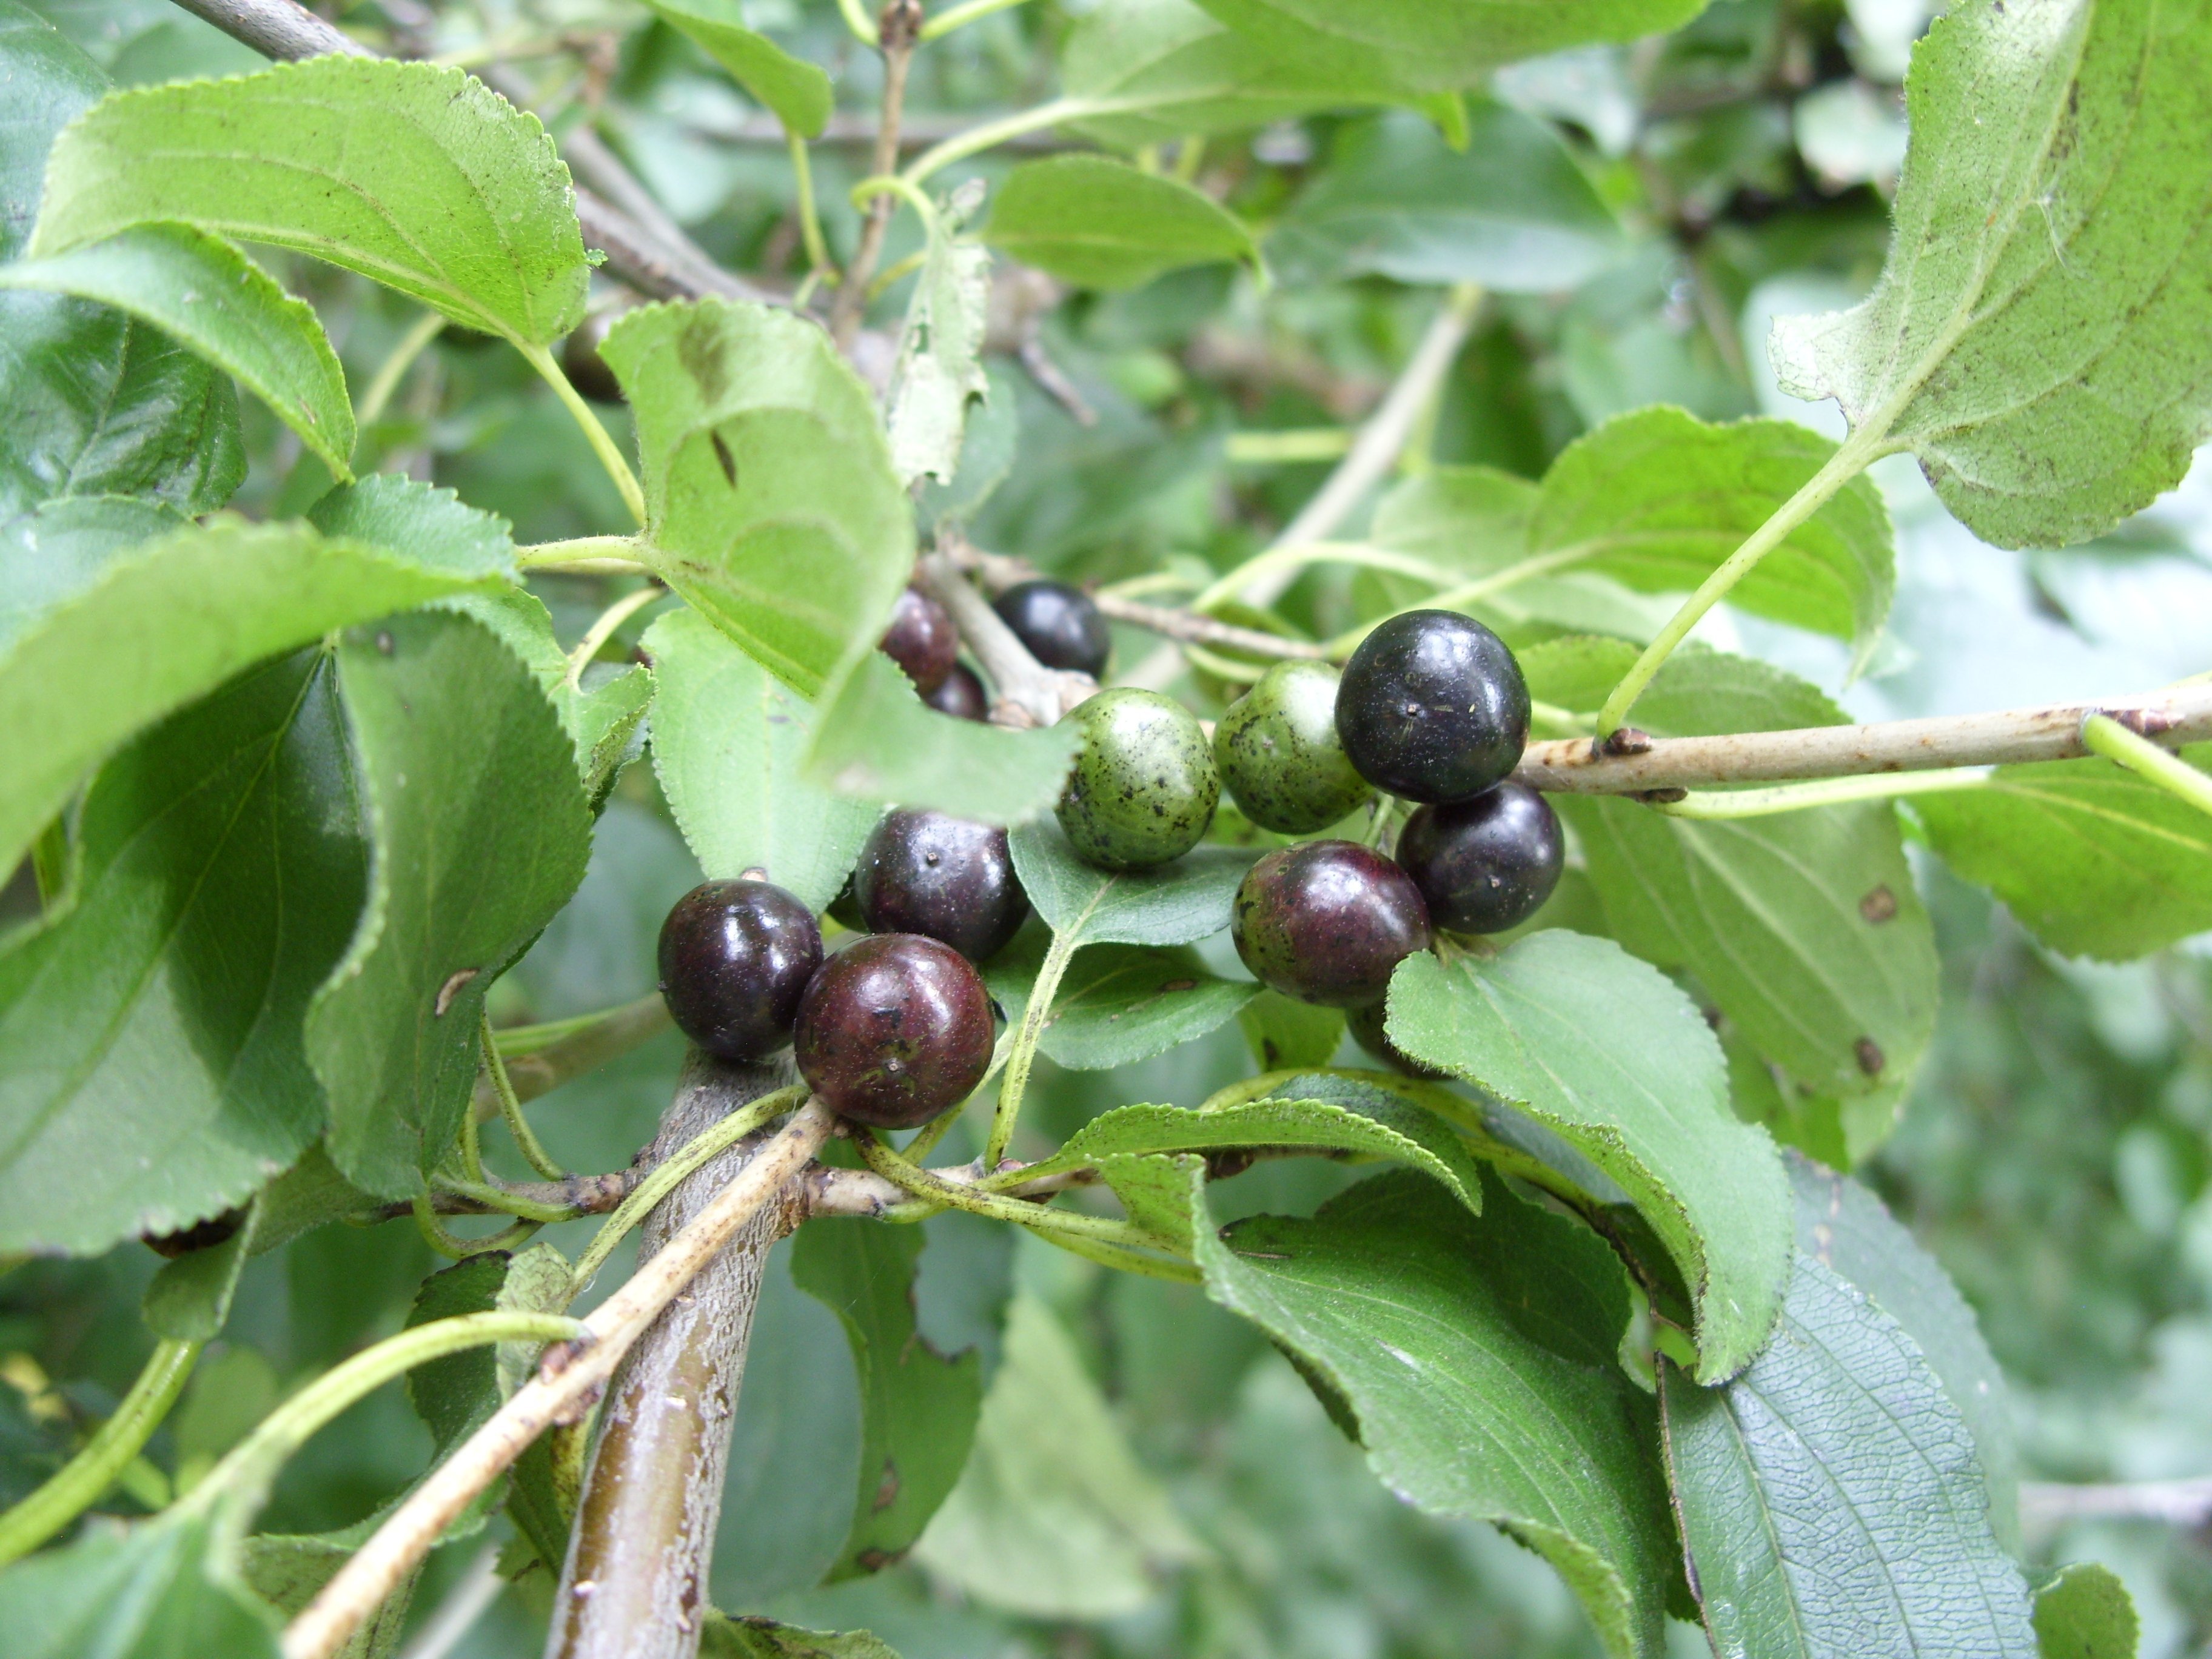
{"x": 1279, "y": 755}
{"x": 581, "y": 360}
{"x": 735, "y": 958}
{"x": 961, "y": 695}
{"x": 1432, "y": 707}
{"x": 1144, "y": 787}
{"x": 200, "y": 1235}
{"x": 1484, "y": 864}
{"x": 1327, "y": 922}
{"x": 944, "y": 877}
{"x": 895, "y": 1030}
{"x": 1365, "y": 1025}
{"x": 1059, "y": 625}
{"x": 921, "y": 640}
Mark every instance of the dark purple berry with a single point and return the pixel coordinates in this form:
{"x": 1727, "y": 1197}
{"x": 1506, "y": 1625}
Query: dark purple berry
{"x": 947, "y": 878}
{"x": 735, "y": 958}
{"x": 1060, "y": 624}
{"x": 921, "y": 640}
{"x": 1365, "y": 1025}
{"x": 1432, "y": 707}
{"x": 200, "y": 1235}
{"x": 1484, "y": 864}
{"x": 895, "y": 1029}
{"x": 961, "y": 695}
{"x": 581, "y": 360}
{"x": 1327, "y": 922}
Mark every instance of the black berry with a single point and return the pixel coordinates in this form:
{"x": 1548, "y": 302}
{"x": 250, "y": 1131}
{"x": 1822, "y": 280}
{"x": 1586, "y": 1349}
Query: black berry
{"x": 1432, "y": 707}
{"x": 962, "y": 695}
{"x": 895, "y": 1030}
{"x": 735, "y": 958}
{"x": 1059, "y": 625}
{"x": 1144, "y": 787}
{"x": 948, "y": 879}
{"x": 1484, "y": 864}
{"x": 1280, "y": 755}
{"x": 200, "y": 1235}
{"x": 921, "y": 640}
{"x": 1327, "y": 922}
{"x": 581, "y": 360}
{"x": 1365, "y": 1025}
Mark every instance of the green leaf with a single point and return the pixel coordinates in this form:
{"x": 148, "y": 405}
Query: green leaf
{"x": 1509, "y": 209}
{"x": 2094, "y": 860}
{"x": 151, "y": 1591}
{"x": 1283, "y": 1035}
{"x": 190, "y": 1298}
{"x": 1830, "y": 1497}
{"x": 460, "y": 201}
{"x": 402, "y": 516}
{"x": 917, "y": 1407}
{"x": 1166, "y": 70}
{"x": 1098, "y": 223}
{"x": 59, "y": 549}
{"x": 1656, "y": 499}
{"x": 2041, "y": 338}
{"x": 1477, "y": 1356}
{"x": 1439, "y": 45}
{"x": 877, "y": 741}
{"x": 939, "y": 371}
{"x": 2084, "y": 1612}
{"x": 1177, "y": 903}
{"x": 201, "y": 290}
{"x": 1604, "y": 1050}
{"x": 729, "y": 744}
{"x": 178, "y": 961}
{"x": 1053, "y": 1517}
{"x": 1845, "y": 1228}
{"x": 456, "y": 1393}
{"x": 288, "y": 1570}
{"x": 770, "y": 501}
{"x": 169, "y": 621}
{"x": 798, "y": 92}
{"x": 1118, "y": 1003}
{"x": 1331, "y": 1115}
{"x": 98, "y": 403}
{"x": 479, "y": 832}
{"x": 1805, "y": 927}
{"x": 750, "y": 1637}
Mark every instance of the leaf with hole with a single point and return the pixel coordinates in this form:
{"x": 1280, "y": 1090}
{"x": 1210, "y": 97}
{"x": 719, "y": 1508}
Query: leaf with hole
{"x": 940, "y": 375}
{"x": 1605, "y": 1052}
{"x": 460, "y": 201}
{"x": 201, "y": 290}
{"x": 2041, "y": 338}
{"x": 770, "y": 501}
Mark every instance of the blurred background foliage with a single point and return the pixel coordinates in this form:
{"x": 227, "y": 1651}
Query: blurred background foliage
{"x": 1150, "y": 1478}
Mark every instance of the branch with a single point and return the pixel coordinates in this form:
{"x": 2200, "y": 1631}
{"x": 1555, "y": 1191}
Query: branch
{"x": 865, "y": 1193}
{"x": 899, "y": 29}
{"x": 654, "y": 256}
{"x": 1633, "y": 764}
{"x": 999, "y": 572}
{"x": 635, "y": 1582}
{"x": 569, "y": 1376}
{"x": 2182, "y": 1503}
{"x": 1029, "y": 693}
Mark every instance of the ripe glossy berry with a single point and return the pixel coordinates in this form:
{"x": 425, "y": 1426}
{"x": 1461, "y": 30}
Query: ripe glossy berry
{"x": 1059, "y": 625}
{"x": 1432, "y": 707}
{"x": 895, "y": 1030}
{"x": 962, "y": 695}
{"x": 735, "y": 958}
{"x": 1327, "y": 922}
{"x": 1366, "y": 1027}
{"x": 948, "y": 879}
{"x": 921, "y": 640}
{"x": 1484, "y": 864}
{"x": 581, "y": 360}
{"x": 1280, "y": 755}
{"x": 1144, "y": 787}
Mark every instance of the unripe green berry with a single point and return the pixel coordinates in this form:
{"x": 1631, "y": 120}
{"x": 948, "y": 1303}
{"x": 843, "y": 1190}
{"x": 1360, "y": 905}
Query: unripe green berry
{"x": 1280, "y": 755}
{"x": 1144, "y": 786}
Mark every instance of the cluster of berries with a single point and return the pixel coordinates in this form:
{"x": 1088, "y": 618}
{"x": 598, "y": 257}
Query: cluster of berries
{"x": 898, "y": 1028}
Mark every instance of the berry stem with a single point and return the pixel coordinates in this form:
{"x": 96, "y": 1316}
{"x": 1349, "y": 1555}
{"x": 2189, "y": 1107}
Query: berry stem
{"x": 538, "y": 1059}
{"x": 595, "y": 432}
{"x": 79, "y": 1483}
{"x": 1825, "y": 792}
{"x": 2108, "y": 738}
{"x": 1035, "y": 1016}
{"x": 510, "y": 1105}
